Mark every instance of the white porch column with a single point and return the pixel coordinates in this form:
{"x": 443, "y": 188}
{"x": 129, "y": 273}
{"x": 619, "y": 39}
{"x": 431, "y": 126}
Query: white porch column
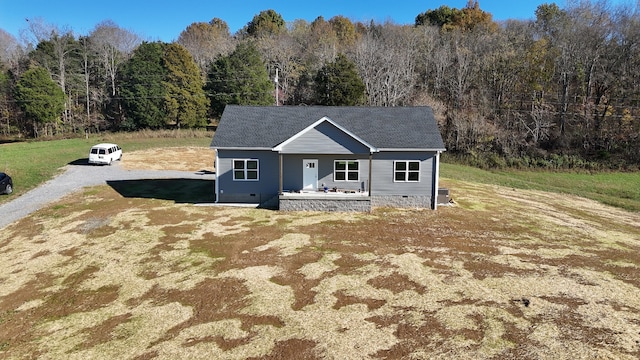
{"x": 370, "y": 170}
{"x": 217, "y": 183}
{"x": 435, "y": 182}
{"x": 280, "y": 173}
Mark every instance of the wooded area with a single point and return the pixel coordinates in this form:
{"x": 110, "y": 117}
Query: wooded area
{"x": 560, "y": 91}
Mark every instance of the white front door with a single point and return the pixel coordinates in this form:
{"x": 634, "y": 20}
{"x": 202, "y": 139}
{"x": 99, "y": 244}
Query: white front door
{"x": 310, "y": 174}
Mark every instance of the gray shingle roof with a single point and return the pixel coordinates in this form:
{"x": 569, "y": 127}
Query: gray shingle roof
{"x": 383, "y": 127}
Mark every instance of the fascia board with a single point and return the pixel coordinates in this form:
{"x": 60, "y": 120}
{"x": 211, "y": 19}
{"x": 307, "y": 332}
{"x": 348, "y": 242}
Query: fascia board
{"x": 411, "y": 149}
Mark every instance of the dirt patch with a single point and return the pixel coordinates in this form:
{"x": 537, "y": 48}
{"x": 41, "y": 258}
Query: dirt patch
{"x": 503, "y": 274}
{"x": 175, "y": 158}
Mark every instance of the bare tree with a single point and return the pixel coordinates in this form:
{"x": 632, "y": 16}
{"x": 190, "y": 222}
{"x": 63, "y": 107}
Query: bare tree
{"x": 431, "y": 72}
{"x": 113, "y": 46}
{"x": 539, "y": 127}
{"x": 55, "y": 47}
{"x": 207, "y": 41}
{"x": 386, "y": 57}
{"x": 10, "y": 50}
{"x": 593, "y": 25}
{"x": 85, "y": 53}
{"x": 37, "y": 30}
{"x": 465, "y": 60}
{"x": 281, "y": 53}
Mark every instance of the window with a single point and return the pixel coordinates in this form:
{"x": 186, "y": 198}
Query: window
{"x": 245, "y": 170}
{"x": 346, "y": 170}
{"x": 406, "y": 171}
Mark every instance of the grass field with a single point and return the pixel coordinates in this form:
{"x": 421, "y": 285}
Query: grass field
{"x": 612, "y": 188}
{"x": 504, "y": 273}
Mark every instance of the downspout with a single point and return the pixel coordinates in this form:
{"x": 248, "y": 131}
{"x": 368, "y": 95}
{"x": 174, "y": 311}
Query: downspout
{"x": 435, "y": 182}
{"x": 217, "y": 184}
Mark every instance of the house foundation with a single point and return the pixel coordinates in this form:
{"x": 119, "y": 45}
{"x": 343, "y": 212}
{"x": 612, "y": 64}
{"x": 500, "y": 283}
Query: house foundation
{"x": 401, "y": 201}
{"x": 305, "y": 202}
{"x": 326, "y": 203}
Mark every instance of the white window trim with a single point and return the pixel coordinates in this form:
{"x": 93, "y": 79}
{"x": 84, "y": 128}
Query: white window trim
{"x": 233, "y": 169}
{"x": 406, "y": 171}
{"x": 346, "y": 170}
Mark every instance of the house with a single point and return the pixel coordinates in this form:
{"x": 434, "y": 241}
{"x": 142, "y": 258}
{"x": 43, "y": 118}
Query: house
{"x": 328, "y": 158}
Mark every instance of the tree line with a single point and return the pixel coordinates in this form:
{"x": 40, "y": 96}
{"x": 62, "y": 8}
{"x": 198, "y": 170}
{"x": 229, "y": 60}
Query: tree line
{"x": 560, "y": 90}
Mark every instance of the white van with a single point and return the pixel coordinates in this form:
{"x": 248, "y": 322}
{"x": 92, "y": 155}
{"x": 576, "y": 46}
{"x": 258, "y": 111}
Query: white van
{"x": 104, "y": 154}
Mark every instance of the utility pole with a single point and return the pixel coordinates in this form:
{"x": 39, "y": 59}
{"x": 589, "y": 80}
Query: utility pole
{"x": 276, "y": 81}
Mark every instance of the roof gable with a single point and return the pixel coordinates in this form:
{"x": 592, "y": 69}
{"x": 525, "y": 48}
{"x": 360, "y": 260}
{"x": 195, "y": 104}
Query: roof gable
{"x": 325, "y": 136}
{"x": 382, "y": 128}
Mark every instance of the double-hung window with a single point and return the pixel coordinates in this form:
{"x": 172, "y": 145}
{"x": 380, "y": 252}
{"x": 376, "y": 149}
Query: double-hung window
{"x": 245, "y": 170}
{"x": 346, "y": 170}
{"x": 406, "y": 171}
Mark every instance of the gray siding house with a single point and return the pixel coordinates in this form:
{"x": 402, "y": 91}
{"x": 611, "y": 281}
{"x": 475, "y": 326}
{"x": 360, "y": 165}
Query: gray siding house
{"x": 328, "y": 158}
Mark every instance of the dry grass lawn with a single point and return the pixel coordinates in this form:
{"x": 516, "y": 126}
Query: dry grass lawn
{"x": 503, "y": 274}
{"x": 174, "y": 158}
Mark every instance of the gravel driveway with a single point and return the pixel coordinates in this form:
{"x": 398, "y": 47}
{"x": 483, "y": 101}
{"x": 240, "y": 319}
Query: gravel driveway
{"x": 77, "y": 176}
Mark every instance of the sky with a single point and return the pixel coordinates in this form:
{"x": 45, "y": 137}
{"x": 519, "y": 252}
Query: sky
{"x": 164, "y": 20}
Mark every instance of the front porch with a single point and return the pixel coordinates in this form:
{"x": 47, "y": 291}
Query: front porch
{"x": 325, "y": 201}
{"x": 326, "y": 168}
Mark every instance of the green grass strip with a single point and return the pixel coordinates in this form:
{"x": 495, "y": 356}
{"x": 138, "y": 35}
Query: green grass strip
{"x": 612, "y": 188}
